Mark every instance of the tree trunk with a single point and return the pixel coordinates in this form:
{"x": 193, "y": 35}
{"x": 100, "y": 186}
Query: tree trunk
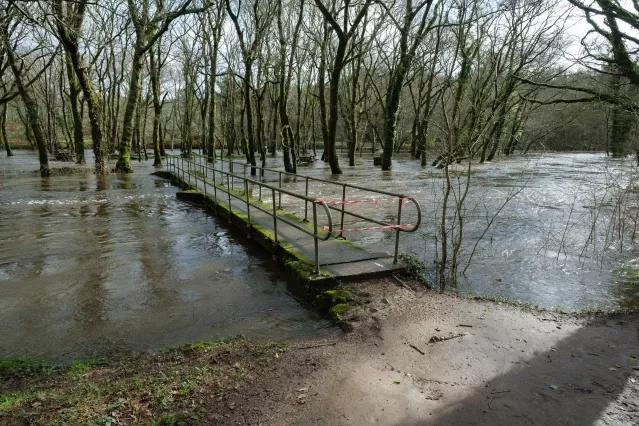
{"x": 3, "y": 130}
{"x": 124, "y": 160}
{"x": 212, "y": 94}
{"x": 94, "y": 103}
{"x": 32, "y": 117}
{"x": 157, "y": 108}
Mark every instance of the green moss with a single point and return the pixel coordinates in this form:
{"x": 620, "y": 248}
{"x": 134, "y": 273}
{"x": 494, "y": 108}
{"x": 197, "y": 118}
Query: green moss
{"x": 344, "y": 241}
{"x": 327, "y": 300}
{"x": 338, "y": 311}
{"x": 301, "y": 269}
{"x": 339, "y": 296}
{"x": 298, "y": 255}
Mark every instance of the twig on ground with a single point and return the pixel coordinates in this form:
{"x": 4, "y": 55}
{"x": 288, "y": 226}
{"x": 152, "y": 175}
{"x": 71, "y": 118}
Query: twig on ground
{"x": 319, "y": 345}
{"x": 417, "y": 349}
{"x": 402, "y": 283}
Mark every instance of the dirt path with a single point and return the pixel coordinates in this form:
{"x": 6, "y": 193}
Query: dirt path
{"x": 411, "y": 358}
{"x": 506, "y": 367}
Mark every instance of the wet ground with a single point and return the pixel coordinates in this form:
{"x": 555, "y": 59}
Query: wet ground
{"x": 94, "y": 265}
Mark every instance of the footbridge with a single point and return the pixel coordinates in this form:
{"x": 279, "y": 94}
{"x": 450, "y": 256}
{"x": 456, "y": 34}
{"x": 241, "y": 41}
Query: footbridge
{"x": 305, "y": 217}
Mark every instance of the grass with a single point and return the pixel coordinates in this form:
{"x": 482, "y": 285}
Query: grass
{"x": 25, "y": 367}
{"x": 627, "y": 272}
{"x": 416, "y": 269}
{"x": 177, "y": 386}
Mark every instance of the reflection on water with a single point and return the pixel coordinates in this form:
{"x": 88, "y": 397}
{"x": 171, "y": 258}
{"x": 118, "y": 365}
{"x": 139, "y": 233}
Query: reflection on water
{"x": 92, "y": 265}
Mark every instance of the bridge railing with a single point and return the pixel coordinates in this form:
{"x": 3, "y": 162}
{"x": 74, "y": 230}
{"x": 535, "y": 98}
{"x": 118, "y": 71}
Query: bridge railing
{"x": 200, "y": 174}
{"x": 338, "y": 205}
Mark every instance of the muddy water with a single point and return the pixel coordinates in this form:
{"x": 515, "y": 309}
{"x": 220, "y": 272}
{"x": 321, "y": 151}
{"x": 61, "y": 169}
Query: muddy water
{"x": 555, "y": 243}
{"x": 92, "y": 265}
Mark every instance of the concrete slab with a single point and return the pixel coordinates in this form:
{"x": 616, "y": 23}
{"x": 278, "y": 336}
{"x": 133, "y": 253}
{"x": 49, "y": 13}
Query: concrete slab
{"x": 343, "y": 259}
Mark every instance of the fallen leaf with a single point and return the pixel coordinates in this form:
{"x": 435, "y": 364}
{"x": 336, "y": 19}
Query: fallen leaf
{"x": 396, "y": 383}
{"x": 554, "y": 387}
{"x": 277, "y": 355}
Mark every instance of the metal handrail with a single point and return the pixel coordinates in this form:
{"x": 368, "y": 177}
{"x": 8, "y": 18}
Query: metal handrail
{"x": 342, "y": 210}
{"x": 171, "y": 162}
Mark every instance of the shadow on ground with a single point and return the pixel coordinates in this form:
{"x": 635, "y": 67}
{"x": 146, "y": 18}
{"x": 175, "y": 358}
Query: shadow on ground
{"x": 587, "y": 378}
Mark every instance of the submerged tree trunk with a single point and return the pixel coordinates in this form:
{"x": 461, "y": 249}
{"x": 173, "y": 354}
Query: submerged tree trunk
{"x": 33, "y": 119}
{"x": 69, "y": 40}
{"x": 31, "y": 107}
{"x": 124, "y": 149}
{"x": 157, "y": 106}
{"x": 344, "y": 35}
{"x": 74, "y": 100}
{"x": 3, "y": 130}
{"x": 286, "y": 133}
{"x": 213, "y": 51}
{"x": 621, "y": 124}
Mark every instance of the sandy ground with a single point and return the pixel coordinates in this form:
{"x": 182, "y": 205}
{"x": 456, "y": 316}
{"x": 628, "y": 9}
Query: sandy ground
{"x": 509, "y": 366}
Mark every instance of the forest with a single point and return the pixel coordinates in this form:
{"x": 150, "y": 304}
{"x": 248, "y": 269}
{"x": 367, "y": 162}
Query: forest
{"x": 441, "y": 81}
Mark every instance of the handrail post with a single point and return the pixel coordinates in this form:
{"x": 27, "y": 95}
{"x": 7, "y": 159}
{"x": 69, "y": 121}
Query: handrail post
{"x": 195, "y": 167}
{"x": 274, "y": 217}
{"x": 399, "y": 222}
{"x": 341, "y": 223}
{"x": 279, "y": 204}
{"x": 204, "y": 185}
{"x": 214, "y": 189}
{"x": 315, "y": 241}
{"x": 306, "y": 202}
{"x": 261, "y": 181}
{"x": 248, "y": 206}
{"x": 229, "y": 192}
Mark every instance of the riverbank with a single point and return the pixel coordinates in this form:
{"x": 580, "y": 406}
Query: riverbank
{"x": 412, "y": 356}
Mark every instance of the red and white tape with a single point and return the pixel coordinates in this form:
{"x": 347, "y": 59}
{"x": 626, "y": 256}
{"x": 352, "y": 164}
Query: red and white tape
{"x": 372, "y": 228}
{"x": 375, "y": 201}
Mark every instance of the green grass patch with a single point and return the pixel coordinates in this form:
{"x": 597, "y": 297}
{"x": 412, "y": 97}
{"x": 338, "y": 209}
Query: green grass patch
{"x": 83, "y": 366}
{"x": 207, "y": 345}
{"x": 179, "y": 386}
{"x": 9, "y": 401}
{"x": 25, "y": 367}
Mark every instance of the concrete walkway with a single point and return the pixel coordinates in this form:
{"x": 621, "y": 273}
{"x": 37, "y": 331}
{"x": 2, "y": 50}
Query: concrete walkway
{"x": 342, "y": 259}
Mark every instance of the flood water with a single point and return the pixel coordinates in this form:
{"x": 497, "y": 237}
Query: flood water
{"x": 95, "y": 265}
{"x": 92, "y": 265}
{"x": 557, "y": 242}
